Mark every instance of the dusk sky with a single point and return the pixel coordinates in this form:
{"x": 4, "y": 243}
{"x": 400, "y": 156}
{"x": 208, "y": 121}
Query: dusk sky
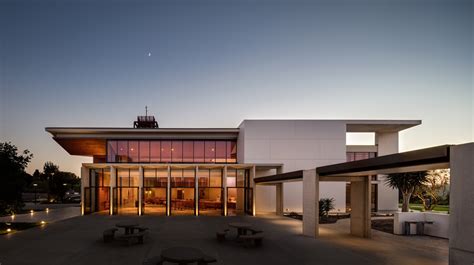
{"x": 213, "y": 64}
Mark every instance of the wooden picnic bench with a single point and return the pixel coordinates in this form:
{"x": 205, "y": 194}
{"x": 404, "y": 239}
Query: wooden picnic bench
{"x": 221, "y": 234}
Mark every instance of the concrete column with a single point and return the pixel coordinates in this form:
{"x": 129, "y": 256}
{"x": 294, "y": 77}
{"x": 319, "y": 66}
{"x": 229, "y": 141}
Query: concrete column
{"x": 461, "y": 201}
{"x": 254, "y": 190}
{"x": 387, "y": 143}
{"x": 84, "y": 184}
{"x": 360, "y": 204}
{"x": 113, "y": 184}
{"x": 224, "y": 186}
{"x": 279, "y": 199}
{"x": 310, "y": 203}
{"x": 196, "y": 194}
{"x": 140, "y": 190}
{"x": 168, "y": 193}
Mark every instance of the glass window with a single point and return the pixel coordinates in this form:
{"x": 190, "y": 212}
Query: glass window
{"x": 122, "y": 147}
{"x": 176, "y": 177}
{"x": 210, "y": 151}
{"x": 134, "y": 176}
{"x": 162, "y": 175}
{"x": 165, "y": 151}
{"x": 203, "y": 177}
{"x": 188, "y": 177}
{"x": 220, "y": 152}
{"x": 123, "y": 177}
{"x": 215, "y": 178}
{"x": 111, "y": 151}
{"x": 177, "y": 151}
{"x": 144, "y": 151}
{"x": 133, "y": 151}
{"x": 188, "y": 151}
{"x": 155, "y": 151}
{"x": 240, "y": 180}
{"x": 149, "y": 177}
{"x": 231, "y": 152}
{"x": 198, "y": 152}
{"x": 231, "y": 177}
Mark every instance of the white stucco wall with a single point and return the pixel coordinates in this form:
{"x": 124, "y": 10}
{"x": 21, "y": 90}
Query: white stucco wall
{"x": 297, "y": 144}
{"x": 439, "y": 228}
{"x": 387, "y": 143}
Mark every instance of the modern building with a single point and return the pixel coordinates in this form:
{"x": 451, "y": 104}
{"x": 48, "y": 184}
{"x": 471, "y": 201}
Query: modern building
{"x": 211, "y": 171}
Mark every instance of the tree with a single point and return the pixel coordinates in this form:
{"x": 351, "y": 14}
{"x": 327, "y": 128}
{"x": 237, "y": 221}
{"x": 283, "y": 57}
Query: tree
{"x": 406, "y": 183}
{"x": 13, "y": 177}
{"x": 49, "y": 170}
{"x": 61, "y": 182}
{"x": 434, "y": 189}
{"x": 325, "y": 206}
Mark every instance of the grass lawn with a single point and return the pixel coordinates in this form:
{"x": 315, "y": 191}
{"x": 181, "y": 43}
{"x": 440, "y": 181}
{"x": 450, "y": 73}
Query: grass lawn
{"x": 419, "y": 207}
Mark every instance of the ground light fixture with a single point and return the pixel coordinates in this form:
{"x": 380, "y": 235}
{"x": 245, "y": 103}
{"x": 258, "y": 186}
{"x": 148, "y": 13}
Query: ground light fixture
{"x": 9, "y": 230}
{"x": 43, "y": 222}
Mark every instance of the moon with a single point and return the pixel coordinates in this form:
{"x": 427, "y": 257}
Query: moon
{"x": 149, "y": 54}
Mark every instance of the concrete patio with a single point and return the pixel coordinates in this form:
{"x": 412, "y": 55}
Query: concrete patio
{"x": 78, "y": 241}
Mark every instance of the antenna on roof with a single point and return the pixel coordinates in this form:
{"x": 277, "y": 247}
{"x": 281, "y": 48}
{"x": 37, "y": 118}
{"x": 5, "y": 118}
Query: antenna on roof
{"x": 145, "y": 121}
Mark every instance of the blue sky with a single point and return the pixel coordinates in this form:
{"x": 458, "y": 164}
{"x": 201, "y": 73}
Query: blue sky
{"x": 215, "y": 63}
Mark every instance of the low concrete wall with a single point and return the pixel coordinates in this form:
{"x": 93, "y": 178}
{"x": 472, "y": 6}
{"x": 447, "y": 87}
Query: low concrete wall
{"x": 439, "y": 228}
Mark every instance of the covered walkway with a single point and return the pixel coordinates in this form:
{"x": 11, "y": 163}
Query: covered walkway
{"x": 459, "y": 158}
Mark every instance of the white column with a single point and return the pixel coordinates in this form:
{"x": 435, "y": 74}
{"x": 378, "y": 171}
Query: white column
{"x": 113, "y": 184}
{"x": 310, "y": 203}
{"x": 224, "y": 186}
{"x": 387, "y": 143}
{"x": 140, "y": 190}
{"x": 360, "y": 207}
{"x": 279, "y": 199}
{"x": 196, "y": 194}
{"x": 84, "y": 184}
{"x": 168, "y": 193}
{"x": 254, "y": 190}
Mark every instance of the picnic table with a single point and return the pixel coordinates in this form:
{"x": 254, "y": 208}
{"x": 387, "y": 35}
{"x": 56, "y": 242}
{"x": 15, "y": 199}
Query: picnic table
{"x": 241, "y": 228}
{"x": 129, "y": 227}
{"x": 182, "y": 255}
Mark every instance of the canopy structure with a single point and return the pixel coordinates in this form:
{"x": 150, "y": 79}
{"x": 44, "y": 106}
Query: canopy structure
{"x": 459, "y": 158}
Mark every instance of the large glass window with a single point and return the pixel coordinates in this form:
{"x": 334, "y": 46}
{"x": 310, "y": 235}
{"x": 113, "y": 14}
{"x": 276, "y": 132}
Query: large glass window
{"x": 157, "y": 151}
{"x": 220, "y": 151}
{"x": 144, "y": 151}
{"x": 122, "y": 147}
{"x": 210, "y": 151}
{"x": 231, "y": 152}
{"x": 165, "y": 151}
{"x": 111, "y": 151}
{"x": 177, "y": 151}
{"x": 133, "y": 151}
{"x": 198, "y": 152}
{"x": 188, "y": 149}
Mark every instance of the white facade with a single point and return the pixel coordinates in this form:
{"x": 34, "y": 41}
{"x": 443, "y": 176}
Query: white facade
{"x": 306, "y": 144}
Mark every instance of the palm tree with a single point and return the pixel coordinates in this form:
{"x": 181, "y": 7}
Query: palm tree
{"x": 406, "y": 183}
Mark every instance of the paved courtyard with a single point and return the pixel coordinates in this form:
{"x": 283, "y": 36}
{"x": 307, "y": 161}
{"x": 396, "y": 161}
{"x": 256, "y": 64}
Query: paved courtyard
{"x": 78, "y": 241}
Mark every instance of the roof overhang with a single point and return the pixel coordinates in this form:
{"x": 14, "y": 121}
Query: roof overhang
{"x": 86, "y": 141}
{"x": 380, "y": 126}
{"x": 418, "y": 160}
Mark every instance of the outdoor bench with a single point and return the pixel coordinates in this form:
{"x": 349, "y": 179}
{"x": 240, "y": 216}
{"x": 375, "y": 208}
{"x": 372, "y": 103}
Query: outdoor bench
{"x": 221, "y": 235}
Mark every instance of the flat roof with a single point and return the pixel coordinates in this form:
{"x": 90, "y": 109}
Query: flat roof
{"x": 361, "y": 125}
